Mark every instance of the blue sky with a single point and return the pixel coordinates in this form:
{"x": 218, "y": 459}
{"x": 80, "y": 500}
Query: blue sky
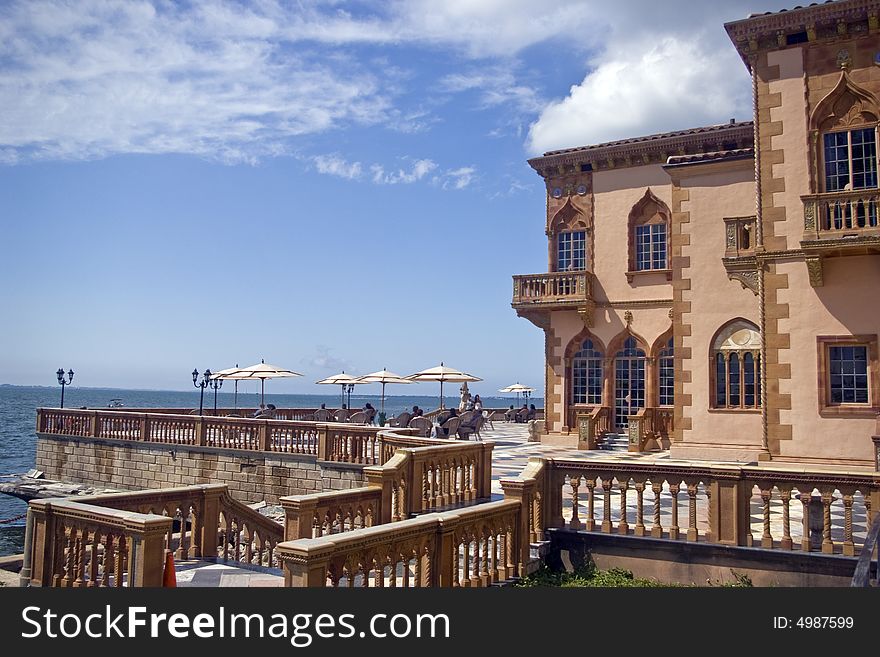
{"x": 326, "y": 185}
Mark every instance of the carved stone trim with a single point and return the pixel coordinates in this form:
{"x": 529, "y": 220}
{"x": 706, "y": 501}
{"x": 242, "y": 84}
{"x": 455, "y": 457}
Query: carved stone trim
{"x": 586, "y": 313}
{"x": 814, "y": 268}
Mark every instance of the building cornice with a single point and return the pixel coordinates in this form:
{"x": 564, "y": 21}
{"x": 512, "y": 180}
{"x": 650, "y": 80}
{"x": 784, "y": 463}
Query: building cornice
{"x": 640, "y": 151}
{"x": 826, "y": 21}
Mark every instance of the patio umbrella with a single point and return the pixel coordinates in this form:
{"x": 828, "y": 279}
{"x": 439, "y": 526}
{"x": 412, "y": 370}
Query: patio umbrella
{"x": 517, "y": 388}
{"x": 343, "y": 380}
{"x": 261, "y": 371}
{"x": 230, "y": 374}
{"x": 443, "y": 374}
{"x": 383, "y": 377}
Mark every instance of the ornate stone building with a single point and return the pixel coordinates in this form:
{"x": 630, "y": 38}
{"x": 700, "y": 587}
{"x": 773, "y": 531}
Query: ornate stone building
{"x": 716, "y": 291}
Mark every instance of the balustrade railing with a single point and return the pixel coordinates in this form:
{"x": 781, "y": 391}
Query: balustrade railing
{"x": 809, "y": 511}
{"x": 472, "y": 547}
{"x": 552, "y": 287}
{"x": 838, "y": 214}
{"x": 120, "y": 539}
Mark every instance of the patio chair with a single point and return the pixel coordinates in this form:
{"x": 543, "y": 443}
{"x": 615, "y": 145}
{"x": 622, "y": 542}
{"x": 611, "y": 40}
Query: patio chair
{"x": 358, "y": 418}
{"x": 309, "y": 418}
{"x": 323, "y": 415}
{"x": 465, "y": 430}
{"x": 521, "y": 415}
{"x": 423, "y": 425}
{"x": 510, "y": 415}
{"x": 467, "y": 417}
{"x": 401, "y": 420}
{"x": 370, "y": 415}
{"x": 494, "y": 416}
{"x": 341, "y": 415}
{"x": 449, "y": 428}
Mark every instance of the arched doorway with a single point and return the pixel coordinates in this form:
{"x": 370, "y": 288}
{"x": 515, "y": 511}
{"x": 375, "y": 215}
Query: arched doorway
{"x": 629, "y": 381}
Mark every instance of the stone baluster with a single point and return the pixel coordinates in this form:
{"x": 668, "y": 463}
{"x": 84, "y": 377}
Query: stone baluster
{"x": 93, "y": 558}
{"x": 785, "y": 494}
{"x": 827, "y": 545}
{"x": 107, "y": 561}
{"x": 419, "y": 577}
{"x": 766, "y": 536}
{"x": 466, "y": 561}
{"x": 607, "y": 483}
{"x": 674, "y": 489}
{"x": 378, "y": 573}
{"x": 120, "y": 565}
{"x": 495, "y": 554}
{"x": 591, "y": 504}
{"x": 640, "y": 508}
{"x": 657, "y": 528}
{"x": 693, "y": 533}
{"x": 80, "y": 556}
{"x": 805, "y": 536}
{"x": 391, "y": 562}
{"x": 485, "y": 578}
{"x": 475, "y": 571}
{"x": 849, "y": 548}
{"x": 575, "y": 523}
{"x": 623, "y": 525}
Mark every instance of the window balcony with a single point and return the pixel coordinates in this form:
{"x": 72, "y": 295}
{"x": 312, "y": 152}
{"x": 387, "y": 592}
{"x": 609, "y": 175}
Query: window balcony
{"x": 569, "y": 289}
{"x": 839, "y": 224}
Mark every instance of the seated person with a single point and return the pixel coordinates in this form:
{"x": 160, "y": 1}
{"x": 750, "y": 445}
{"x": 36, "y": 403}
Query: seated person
{"x": 510, "y": 414}
{"x": 446, "y": 415}
{"x": 533, "y": 413}
{"x": 259, "y": 411}
{"x": 417, "y": 412}
{"x": 522, "y": 413}
{"x": 370, "y": 411}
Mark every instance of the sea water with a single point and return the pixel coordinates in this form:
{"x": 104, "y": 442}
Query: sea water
{"x": 18, "y": 416}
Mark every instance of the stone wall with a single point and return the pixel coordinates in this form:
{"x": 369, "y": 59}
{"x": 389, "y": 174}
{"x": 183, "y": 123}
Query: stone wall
{"x": 133, "y": 465}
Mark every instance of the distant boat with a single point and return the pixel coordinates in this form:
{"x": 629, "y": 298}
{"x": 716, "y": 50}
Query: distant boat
{"x": 115, "y": 403}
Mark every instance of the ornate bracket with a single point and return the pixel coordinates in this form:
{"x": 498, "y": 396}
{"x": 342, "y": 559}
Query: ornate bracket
{"x": 586, "y": 313}
{"x": 814, "y": 269}
{"x": 539, "y": 319}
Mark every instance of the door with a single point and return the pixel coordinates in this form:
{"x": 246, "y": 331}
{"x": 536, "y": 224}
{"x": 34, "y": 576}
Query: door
{"x": 629, "y": 382}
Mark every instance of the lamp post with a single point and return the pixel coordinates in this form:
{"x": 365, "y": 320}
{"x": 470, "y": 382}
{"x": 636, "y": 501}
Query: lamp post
{"x": 64, "y": 384}
{"x": 206, "y": 379}
{"x": 216, "y": 384}
{"x": 350, "y": 387}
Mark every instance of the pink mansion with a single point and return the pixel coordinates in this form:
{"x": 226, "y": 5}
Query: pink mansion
{"x": 716, "y": 291}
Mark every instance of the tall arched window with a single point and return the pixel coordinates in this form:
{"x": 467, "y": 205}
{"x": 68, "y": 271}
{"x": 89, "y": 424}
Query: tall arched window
{"x": 736, "y": 358}
{"x": 571, "y": 251}
{"x": 629, "y": 381}
{"x": 666, "y": 374}
{"x": 586, "y": 371}
{"x": 648, "y": 233}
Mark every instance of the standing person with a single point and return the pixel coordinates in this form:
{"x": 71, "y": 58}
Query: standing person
{"x": 478, "y": 404}
{"x": 533, "y": 413}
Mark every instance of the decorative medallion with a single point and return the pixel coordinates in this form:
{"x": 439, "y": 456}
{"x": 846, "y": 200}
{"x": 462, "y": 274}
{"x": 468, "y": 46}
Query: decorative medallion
{"x": 814, "y": 269}
{"x": 581, "y": 190}
{"x": 557, "y": 192}
{"x": 810, "y": 217}
{"x": 628, "y": 317}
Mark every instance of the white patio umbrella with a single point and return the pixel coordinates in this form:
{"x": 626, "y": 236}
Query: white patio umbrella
{"x": 443, "y": 374}
{"x": 517, "y": 388}
{"x": 261, "y": 371}
{"x": 342, "y": 379}
{"x": 227, "y": 374}
{"x": 383, "y": 377}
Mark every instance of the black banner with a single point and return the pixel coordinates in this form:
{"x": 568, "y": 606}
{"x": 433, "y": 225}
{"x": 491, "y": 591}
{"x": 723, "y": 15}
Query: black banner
{"x": 433, "y": 621}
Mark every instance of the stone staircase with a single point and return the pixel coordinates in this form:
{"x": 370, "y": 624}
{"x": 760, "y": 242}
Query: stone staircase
{"x": 615, "y": 442}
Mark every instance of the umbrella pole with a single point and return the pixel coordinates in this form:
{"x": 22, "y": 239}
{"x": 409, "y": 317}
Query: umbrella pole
{"x": 342, "y": 398}
{"x": 236, "y": 395}
{"x": 441, "y": 394}
{"x": 262, "y": 392}
{"x": 383, "y": 397}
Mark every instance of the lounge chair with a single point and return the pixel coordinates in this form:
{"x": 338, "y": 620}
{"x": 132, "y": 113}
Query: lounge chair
{"x": 449, "y": 428}
{"x": 401, "y": 420}
{"x": 423, "y": 425}
{"x": 358, "y": 418}
{"x": 341, "y": 415}
{"x": 323, "y": 415}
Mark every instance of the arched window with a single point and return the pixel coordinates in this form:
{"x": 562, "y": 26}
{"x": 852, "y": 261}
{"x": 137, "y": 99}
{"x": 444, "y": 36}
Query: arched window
{"x": 649, "y": 229}
{"x": 586, "y": 370}
{"x": 736, "y": 355}
{"x": 666, "y": 374}
{"x": 844, "y": 127}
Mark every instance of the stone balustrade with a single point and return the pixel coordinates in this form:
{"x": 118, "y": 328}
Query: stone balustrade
{"x": 711, "y": 503}
{"x": 414, "y": 480}
{"x": 340, "y": 442}
{"x": 472, "y": 547}
{"x": 836, "y": 214}
{"x": 121, "y": 538}
{"x": 552, "y": 288}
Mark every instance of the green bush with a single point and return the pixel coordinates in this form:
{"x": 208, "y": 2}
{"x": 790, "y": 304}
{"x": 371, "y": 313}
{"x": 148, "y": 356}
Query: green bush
{"x": 587, "y": 576}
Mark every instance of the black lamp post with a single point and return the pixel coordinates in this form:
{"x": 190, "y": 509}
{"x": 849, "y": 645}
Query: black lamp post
{"x": 206, "y": 379}
{"x": 216, "y": 384}
{"x": 350, "y": 387}
{"x": 64, "y": 383}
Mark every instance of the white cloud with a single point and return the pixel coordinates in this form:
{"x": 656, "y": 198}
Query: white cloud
{"x": 495, "y": 86}
{"x": 661, "y": 66}
{"x": 456, "y": 178}
{"x": 322, "y": 359}
{"x": 335, "y": 165}
{"x": 418, "y": 170}
{"x": 671, "y": 85}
